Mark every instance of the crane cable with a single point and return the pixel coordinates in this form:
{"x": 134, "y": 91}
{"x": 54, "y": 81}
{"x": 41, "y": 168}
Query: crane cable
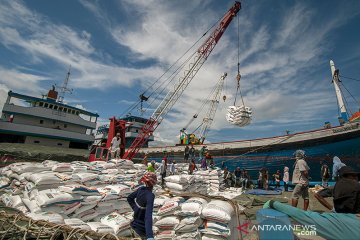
{"x": 238, "y": 76}
{"x": 173, "y": 75}
{"x": 202, "y": 106}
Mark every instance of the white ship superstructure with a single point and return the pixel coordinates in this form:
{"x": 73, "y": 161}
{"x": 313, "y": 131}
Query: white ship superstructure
{"x": 46, "y": 121}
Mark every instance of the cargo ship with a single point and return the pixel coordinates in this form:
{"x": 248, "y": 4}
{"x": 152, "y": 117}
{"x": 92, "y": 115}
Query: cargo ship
{"x": 46, "y": 121}
{"x": 273, "y": 153}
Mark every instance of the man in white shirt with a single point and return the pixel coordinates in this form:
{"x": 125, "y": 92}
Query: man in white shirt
{"x": 115, "y": 146}
{"x": 301, "y": 180}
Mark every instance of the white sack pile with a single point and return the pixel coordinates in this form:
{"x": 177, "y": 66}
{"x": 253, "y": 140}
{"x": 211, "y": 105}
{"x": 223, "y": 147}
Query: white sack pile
{"x": 80, "y": 194}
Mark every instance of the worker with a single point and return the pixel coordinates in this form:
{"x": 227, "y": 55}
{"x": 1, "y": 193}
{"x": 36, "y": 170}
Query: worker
{"x": 336, "y": 167}
{"x": 208, "y": 158}
{"x": 246, "y": 180}
{"x": 237, "y": 177}
{"x": 115, "y": 146}
{"x": 173, "y": 168}
{"x": 150, "y": 168}
{"x": 300, "y": 179}
{"x": 192, "y": 166}
{"x": 142, "y": 203}
{"x": 202, "y": 153}
{"x": 325, "y": 175}
{"x": 286, "y": 179}
{"x": 227, "y": 177}
{"x": 145, "y": 159}
{"x": 277, "y": 177}
{"x": 192, "y": 152}
{"x": 186, "y": 153}
{"x": 163, "y": 169}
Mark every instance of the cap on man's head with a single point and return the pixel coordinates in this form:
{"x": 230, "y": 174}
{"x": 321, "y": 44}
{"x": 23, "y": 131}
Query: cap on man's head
{"x": 299, "y": 153}
{"x": 346, "y": 170}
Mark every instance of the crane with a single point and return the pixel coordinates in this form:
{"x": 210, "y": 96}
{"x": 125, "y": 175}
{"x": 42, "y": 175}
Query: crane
{"x": 208, "y": 119}
{"x": 173, "y": 95}
{"x": 213, "y": 101}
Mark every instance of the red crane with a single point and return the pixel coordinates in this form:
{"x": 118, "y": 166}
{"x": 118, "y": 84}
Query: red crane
{"x": 170, "y": 99}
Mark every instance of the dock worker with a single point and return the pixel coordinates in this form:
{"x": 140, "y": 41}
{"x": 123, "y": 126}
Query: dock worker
{"x": 186, "y": 154}
{"x": 150, "y": 167}
{"x": 142, "y": 203}
{"x": 301, "y": 179}
{"x": 202, "y": 153}
{"x": 163, "y": 169}
{"x": 115, "y": 146}
{"x": 192, "y": 152}
{"x": 336, "y": 167}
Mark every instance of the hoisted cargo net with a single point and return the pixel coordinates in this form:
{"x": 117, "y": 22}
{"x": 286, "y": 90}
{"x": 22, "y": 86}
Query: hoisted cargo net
{"x": 239, "y": 115}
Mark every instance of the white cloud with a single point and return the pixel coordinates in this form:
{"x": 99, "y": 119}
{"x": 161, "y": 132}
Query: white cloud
{"x": 272, "y": 57}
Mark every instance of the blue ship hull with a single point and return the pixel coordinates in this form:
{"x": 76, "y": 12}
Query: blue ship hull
{"x": 320, "y": 147}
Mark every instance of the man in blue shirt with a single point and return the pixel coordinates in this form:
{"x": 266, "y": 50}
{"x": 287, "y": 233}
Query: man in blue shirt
{"x": 142, "y": 203}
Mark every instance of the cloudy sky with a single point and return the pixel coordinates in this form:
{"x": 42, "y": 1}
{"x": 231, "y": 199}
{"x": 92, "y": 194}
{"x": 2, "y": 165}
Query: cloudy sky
{"x": 118, "y": 48}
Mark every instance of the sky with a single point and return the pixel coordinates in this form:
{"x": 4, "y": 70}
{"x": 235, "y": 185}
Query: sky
{"x": 117, "y": 49}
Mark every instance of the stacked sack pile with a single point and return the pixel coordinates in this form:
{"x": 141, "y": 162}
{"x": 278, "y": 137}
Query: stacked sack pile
{"x": 194, "y": 218}
{"x": 185, "y": 183}
{"x": 212, "y": 178}
{"x": 91, "y": 196}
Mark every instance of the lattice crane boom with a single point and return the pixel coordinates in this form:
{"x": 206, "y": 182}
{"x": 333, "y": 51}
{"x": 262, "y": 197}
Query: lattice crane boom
{"x": 171, "y": 98}
{"x": 209, "y": 117}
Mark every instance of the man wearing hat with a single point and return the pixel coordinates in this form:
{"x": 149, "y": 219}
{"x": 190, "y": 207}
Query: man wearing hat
{"x": 301, "y": 179}
{"x": 346, "y": 194}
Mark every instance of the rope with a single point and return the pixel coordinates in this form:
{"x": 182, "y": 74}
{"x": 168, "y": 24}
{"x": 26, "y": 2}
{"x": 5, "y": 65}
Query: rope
{"x": 238, "y": 76}
{"x": 350, "y": 78}
{"x": 18, "y": 226}
{"x": 132, "y": 107}
{"x": 342, "y": 84}
{"x": 254, "y": 150}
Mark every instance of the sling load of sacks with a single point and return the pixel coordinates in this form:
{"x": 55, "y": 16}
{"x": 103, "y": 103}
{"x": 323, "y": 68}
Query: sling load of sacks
{"x": 239, "y": 115}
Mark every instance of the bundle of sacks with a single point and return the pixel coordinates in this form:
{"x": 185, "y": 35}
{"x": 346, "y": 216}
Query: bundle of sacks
{"x": 228, "y": 193}
{"x": 184, "y": 183}
{"x": 239, "y": 115}
{"x": 192, "y": 219}
{"x": 219, "y": 220}
{"x": 80, "y": 194}
{"x": 212, "y": 178}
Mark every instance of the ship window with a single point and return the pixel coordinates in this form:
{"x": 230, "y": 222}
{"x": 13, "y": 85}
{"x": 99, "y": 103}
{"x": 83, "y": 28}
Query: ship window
{"x": 41, "y": 121}
{"x": 69, "y": 110}
{"x": 59, "y": 144}
{"x": 77, "y": 112}
{"x": 60, "y": 108}
{"x": 46, "y": 105}
{"x": 56, "y": 107}
{"x": 137, "y": 130}
{"x": 41, "y": 104}
{"x": 65, "y": 109}
{"x": 51, "y": 106}
{"x": 73, "y": 111}
{"x": 36, "y": 141}
{"x": 65, "y": 125}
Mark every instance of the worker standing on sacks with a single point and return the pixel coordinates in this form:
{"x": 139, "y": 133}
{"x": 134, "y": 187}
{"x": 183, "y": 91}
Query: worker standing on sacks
{"x": 142, "y": 203}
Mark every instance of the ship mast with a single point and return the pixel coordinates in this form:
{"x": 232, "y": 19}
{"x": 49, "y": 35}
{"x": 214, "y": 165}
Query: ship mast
{"x": 64, "y": 88}
{"x": 340, "y": 100}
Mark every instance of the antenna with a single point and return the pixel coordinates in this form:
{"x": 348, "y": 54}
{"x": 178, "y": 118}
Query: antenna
{"x": 64, "y": 88}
